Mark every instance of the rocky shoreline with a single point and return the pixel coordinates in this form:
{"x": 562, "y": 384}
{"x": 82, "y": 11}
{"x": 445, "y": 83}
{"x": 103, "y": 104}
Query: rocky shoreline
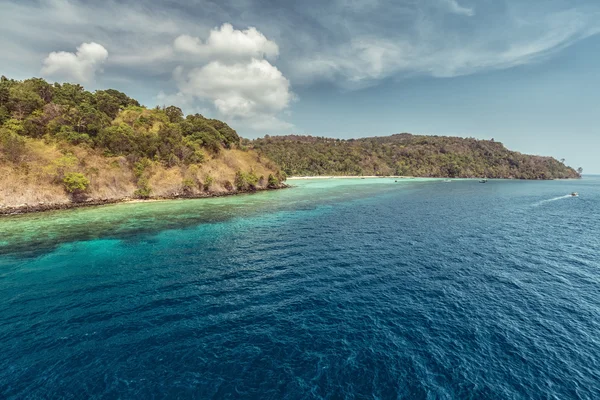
{"x": 43, "y": 207}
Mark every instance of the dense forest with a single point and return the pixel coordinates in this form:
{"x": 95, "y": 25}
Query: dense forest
{"x": 406, "y": 155}
{"x": 62, "y": 143}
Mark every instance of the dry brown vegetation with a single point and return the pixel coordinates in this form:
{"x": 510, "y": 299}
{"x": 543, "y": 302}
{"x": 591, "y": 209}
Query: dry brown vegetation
{"x": 37, "y": 177}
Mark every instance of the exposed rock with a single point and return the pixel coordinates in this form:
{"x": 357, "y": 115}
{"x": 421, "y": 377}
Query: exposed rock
{"x": 41, "y": 207}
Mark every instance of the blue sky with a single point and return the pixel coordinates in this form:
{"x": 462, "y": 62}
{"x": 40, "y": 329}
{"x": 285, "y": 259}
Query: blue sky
{"x": 522, "y": 72}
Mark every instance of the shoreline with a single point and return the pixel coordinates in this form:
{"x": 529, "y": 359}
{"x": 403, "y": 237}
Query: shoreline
{"x": 44, "y": 207}
{"x": 297, "y": 178}
{"x": 291, "y": 178}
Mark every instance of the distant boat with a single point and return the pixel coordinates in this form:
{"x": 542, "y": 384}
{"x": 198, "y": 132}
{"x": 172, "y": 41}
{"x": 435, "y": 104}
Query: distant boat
{"x": 447, "y": 180}
{"x": 483, "y": 181}
{"x": 574, "y": 194}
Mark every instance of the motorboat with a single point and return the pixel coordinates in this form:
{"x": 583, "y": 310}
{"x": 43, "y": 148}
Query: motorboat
{"x": 574, "y": 194}
{"x": 483, "y": 181}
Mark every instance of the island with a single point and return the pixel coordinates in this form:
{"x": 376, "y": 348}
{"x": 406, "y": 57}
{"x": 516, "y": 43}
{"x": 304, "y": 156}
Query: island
{"x": 62, "y": 146}
{"x": 406, "y": 155}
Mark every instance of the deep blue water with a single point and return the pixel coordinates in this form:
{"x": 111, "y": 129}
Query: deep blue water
{"x": 333, "y": 289}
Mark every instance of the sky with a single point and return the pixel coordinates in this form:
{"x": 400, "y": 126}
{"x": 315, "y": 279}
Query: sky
{"x": 522, "y": 72}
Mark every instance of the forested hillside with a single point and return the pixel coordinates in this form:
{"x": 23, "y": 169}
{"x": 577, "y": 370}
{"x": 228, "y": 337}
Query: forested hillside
{"x": 406, "y": 155}
{"x": 60, "y": 143}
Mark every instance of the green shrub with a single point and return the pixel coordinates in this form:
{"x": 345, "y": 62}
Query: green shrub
{"x": 15, "y": 126}
{"x": 13, "y": 146}
{"x": 144, "y": 190}
{"x": 69, "y": 135}
{"x": 188, "y": 186}
{"x": 240, "y": 180}
{"x": 62, "y": 166}
{"x": 196, "y": 157}
{"x": 272, "y": 182}
{"x": 4, "y": 114}
{"x": 141, "y": 167}
{"x": 208, "y": 182}
{"x": 75, "y": 182}
{"x": 281, "y": 176}
{"x": 245, "y": 181}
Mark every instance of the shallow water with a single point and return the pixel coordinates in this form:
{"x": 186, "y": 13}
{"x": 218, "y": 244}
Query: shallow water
{"x": 335, "y": 288}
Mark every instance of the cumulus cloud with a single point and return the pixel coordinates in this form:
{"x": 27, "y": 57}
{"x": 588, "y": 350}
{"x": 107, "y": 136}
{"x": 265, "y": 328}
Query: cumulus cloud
{"x": 136, "y": 34}
{"x": 349, "y": 43}
{"x": 235, "y": 76}
{"x": 80, "y": 66}
{"x": 226, "y": 43}
{"x": 240, "y": 90}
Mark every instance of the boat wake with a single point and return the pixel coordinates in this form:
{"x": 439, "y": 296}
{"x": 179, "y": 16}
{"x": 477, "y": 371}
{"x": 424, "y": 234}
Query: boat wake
{"x": 551, "y": 200}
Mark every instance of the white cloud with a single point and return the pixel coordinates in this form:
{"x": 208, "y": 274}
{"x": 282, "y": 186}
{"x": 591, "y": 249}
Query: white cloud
{"x": 79, "y": 67}
{"x": 350, "y": 43}
{"x": 227, "y": 43}
{"x": 153, "y": 54}
{"x": 135, "y": 33}
{"x": 456, "y": 8}
{"x": 265, "y": 124}
{"x": 357, "y": 5}
{"x": 428, "y": 50}
{"x": 240, "y": 90}
{"x": 234, "y": 76}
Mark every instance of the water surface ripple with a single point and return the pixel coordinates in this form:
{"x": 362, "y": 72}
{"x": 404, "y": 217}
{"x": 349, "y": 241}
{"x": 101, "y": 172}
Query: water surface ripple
{"x": 333, "y": 289}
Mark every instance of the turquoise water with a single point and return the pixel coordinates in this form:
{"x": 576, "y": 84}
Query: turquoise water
{"x": 334, "y": 288}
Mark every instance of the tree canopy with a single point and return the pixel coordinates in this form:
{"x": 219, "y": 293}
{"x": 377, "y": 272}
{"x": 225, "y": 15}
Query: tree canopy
{"x": 109, "y": 120}
{"x": 408, "y": 155}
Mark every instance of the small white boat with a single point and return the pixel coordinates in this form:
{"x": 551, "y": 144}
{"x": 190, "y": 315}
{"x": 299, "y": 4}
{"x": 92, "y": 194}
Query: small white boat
{"x": 574, "y": 194}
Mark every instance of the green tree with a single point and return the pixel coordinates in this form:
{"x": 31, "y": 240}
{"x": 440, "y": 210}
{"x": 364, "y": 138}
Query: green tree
{"x": 67, "y": 134}
{"x": 174, "y": 113}
{"x": 76, "y": 183}
{"x": 41, "y": 87}
{"x": 85, "y": 118}
{"x": 23, "y": 101}
{"x": 124, "y": 100}
{"x": 107, "y": 104}
{"x": 118, "y": 139}
{"x": 71, "y": 95}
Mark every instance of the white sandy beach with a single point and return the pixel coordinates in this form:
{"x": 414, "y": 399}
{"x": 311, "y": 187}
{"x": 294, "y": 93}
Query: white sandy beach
{"x": 346, "y": 177}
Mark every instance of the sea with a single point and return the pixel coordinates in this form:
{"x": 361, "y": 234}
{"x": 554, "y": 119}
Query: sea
{"x": 331, "y": 289}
